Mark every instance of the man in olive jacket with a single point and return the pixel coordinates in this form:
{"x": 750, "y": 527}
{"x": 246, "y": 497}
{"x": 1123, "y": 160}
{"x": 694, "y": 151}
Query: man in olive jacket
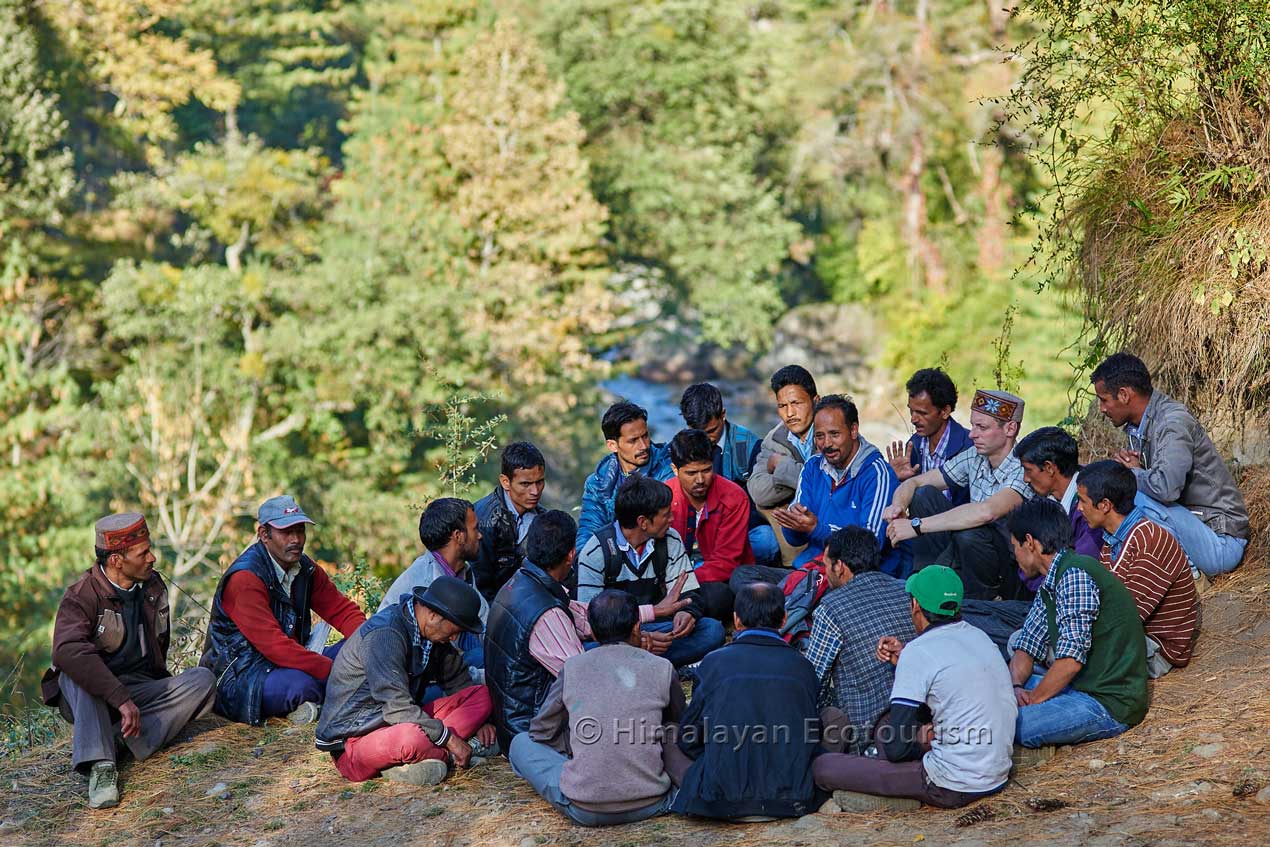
{"x": 109, "y": 676}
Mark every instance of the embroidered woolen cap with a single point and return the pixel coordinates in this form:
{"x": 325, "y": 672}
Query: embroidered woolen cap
{"x": 1001, "y": 405}
{"x": 117, "y": 533}
{"x": 281, "y": 512}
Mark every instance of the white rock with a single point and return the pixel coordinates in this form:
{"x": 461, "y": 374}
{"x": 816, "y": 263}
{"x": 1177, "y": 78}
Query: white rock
{"x": 1096, "y": 764}
{"x": 1208, "y": 751}
{"x": 218, "y": 788}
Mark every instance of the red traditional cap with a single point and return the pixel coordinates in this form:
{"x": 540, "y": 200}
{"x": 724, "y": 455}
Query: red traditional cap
{"x": 117, "y": 533}
{"x": 1001, "y": 405}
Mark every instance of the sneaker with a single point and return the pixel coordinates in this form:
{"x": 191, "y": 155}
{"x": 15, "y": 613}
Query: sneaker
{"x": 481, "y": 753}
{"x": 854, "y": 801}
{"x": 305, "y": 714}
{"x": 427, "y": 772}
{"x": 103, "y": 786}
{"x": 1026, "y": 757}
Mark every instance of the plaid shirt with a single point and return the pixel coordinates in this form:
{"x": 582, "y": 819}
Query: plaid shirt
{"x": 1076, "y": 604}
{"x": 973, "y": 471}
{"x": 417, "y": 641}
{"x": 931, "y": 461}
{"x": 844, "y": 635}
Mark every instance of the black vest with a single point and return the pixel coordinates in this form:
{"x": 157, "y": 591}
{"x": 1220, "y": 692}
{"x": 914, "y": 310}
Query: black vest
{"x": 517, "y": 683}
{"x": 649, "y": 588}
{"x": 240, "y": 669}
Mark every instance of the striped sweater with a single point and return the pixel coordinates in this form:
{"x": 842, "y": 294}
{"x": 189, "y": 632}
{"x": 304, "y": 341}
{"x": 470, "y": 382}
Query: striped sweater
{"x": 1154, "y": 568}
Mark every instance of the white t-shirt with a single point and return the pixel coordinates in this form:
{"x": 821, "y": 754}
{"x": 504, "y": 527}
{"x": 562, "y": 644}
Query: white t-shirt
{"x": 958, "y": 672}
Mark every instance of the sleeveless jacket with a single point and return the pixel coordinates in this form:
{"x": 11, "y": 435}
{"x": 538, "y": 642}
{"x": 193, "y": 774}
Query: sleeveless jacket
{"x": 240, "y": 669}
{"x": 517, "y": 683}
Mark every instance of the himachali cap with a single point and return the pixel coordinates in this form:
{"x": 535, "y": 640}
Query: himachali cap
{"x": 937, "y": 589}
{"x": 117, "y": 533}
{"x": 281, "y": 512}
{"x": 1001, "y": 405}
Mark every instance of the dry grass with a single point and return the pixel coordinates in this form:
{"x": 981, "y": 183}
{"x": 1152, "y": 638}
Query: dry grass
{"x": 1175, "y": 257}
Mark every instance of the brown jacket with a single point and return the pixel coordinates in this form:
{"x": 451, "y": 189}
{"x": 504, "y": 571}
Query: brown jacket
{"x": 89, "y": 624}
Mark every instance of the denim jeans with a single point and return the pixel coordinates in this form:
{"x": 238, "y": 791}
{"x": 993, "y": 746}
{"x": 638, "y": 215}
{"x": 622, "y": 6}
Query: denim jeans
{"x": 540, "y": 766}
{"x": 1069, "y": 717}
{"x": 1210, "y": 552}
{"x": 763, "y": 544}
{"x": 286, "y": 688}
{"x": 705, "y": 636}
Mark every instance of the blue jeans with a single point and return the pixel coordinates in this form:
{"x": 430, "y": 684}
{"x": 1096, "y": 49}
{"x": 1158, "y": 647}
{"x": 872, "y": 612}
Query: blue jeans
{"x": 286, "y": 688}
{"x": 763, "y": 544}
{"x": 540, "y": 766}
{"x": 705, "y": 636}
{"x": 1212, "y": 553}
{"x": 1069, "y": 717}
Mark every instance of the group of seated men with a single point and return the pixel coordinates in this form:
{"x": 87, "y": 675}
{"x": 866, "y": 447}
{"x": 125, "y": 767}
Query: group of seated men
{"x": 973, "y": 593}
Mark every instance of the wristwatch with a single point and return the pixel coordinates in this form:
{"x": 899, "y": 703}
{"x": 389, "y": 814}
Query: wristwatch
{"x": 916, "y": 524}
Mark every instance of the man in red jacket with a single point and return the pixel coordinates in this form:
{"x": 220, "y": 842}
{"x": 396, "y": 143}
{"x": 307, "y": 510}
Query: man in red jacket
{"x": 711, "y": 515}
{"x": 257, "y": 639}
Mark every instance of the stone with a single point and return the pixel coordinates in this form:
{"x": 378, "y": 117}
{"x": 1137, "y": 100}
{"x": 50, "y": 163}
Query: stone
{"x": 218, "y": 788}
{"x": 1263, "y": 796}
{"x": 1096, "y": 764}
{"x": 1208, "y": 751}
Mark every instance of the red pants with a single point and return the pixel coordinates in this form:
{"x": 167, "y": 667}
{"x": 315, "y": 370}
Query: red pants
{"x": 401, "y": 744}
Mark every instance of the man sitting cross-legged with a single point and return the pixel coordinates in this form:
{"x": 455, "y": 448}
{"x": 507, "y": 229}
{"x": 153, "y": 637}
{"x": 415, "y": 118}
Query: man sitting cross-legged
{"x": 748, "y": 737}
{"x": 862, "y": 605}
{"x": 710, "y": 513}
{"x": 109, "y": 676}
{"x": 260, "y": 631}
{"x": 533, "y": 626}
{"x": 594, "y": 750}
{"x": 949, "y": 734}
{"x": 1148, "y": 560}
{"x": 376, "y": 721}
{"x": 640, "y": 554}
{"x": 1085, "y": 625}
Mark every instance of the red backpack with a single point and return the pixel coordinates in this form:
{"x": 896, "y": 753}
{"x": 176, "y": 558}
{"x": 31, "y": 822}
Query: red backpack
{"x": 803, "y": 589}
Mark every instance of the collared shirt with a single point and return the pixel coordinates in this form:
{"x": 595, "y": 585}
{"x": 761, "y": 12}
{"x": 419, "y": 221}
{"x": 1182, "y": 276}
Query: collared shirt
{"x": 931, "y": 461}
{"x": 770, "y": 633}
{"x": 637, "y": 558}
{"x": 557, "y": 636}
{"x": 285, "y": 578}
{"x": 836, "y": 475}
{"x": 1134, "y": 432}
{"x": 118, "y": 587}
{"x": 807, "y": 444}
{"x": 445, "y": 566}
{"x": 1069, "y": 496}
{"x": 1115, "y": 540}
{"x": 970, "y": 470}
{"x": 522, "y": 521}
{"x": 417, "y": 641}
{"x": 1076, "y": 602}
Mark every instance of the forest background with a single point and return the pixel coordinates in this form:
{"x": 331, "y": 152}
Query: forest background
{"x": 343, "y": 249}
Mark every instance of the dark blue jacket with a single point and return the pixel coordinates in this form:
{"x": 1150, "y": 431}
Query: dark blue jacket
{"x": 601, "y": 490}
{"x": 499, "y": 555}
{"x": 240, "y": 669}
{"x": 735, "y": 453}
{"x": 958, "y": 440}
{"x": 752, "y": 728}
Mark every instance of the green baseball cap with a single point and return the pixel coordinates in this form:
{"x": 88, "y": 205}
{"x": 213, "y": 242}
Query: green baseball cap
{"x": 937, "y": 589}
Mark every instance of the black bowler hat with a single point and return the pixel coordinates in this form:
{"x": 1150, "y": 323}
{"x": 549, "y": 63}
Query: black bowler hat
{"x": 454, "y": 600}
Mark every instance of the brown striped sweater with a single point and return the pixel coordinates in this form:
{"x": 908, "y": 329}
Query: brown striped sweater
{"x": 1153, "y": 567}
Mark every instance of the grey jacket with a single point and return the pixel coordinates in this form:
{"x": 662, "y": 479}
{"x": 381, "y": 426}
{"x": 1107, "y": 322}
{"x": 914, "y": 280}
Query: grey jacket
{"x": 1181, "y": 465}
{"x": 769, "y": 490}
{"x": 379, "y": 679}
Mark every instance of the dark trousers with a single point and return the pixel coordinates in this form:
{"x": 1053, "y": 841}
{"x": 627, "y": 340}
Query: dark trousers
{"x": 716, "y": 600}
{"x": 746, "y": 574}
{"x": 286, "y": 688}
{"x": 998, "y": 618}
{"x": 981, "y": 556}
{"x": 847, "y": 772}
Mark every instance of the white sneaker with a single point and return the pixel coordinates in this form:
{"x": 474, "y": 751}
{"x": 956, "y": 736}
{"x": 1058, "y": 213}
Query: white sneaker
{"x": 103, "y": 786}
{"x": 427, "y": 772}
{"x": 305, "y": 713}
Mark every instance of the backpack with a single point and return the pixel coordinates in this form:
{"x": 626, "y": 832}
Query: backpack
{"x": 803, "y": 589}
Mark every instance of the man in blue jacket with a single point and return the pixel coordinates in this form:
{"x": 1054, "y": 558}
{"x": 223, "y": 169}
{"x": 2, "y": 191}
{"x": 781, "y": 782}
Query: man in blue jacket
{"x": 849, "y": 483}
{"x": 937, "y": 437}
{"x": 631, "y": 451}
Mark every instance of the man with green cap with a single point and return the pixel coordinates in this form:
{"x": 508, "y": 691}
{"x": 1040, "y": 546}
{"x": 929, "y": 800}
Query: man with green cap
{"x": 948, "y": 737}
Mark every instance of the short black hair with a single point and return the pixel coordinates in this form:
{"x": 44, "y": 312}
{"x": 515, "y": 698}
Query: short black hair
{"x": 441, "y": 519}
{"x": 1109, "y": 480}
{"x": 700, "y": 404}
{"x": 760, "y": 604}
{"x": 519, "y": 456}
{"x": 1044, "y": 520}
{"x": 842, "y": 404}
{"x": 619, "y": 415}
{"x": 856, "y": 547}
{"x": 1123, "y": 370}
{"x": 103, "y": 556}
{"x": 551, "y": 537}
{"x": 612, "y": 614}
{"x": 690, "y": 445}
{"x": 936, "y": 384}
{"x": 794, "y": 375}
{"x": 639, "y": 497}
{"x": 1050, "y": 444}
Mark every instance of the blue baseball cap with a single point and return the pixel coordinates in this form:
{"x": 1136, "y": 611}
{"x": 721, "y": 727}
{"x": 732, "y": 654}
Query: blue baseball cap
{"x": 281, "y": 512}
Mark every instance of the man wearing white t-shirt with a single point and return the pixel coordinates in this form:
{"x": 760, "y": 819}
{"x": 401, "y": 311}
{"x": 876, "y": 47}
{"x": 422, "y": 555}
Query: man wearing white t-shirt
{"x": 948, "y": 737}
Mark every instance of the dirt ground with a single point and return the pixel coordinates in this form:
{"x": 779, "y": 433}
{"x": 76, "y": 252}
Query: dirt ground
{"x": 1194, "y": 772}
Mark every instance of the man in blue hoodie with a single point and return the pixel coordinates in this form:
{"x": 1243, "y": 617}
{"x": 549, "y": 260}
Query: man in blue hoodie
{"x": 631, "y": 451}
{"x": 849, "y": 483}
